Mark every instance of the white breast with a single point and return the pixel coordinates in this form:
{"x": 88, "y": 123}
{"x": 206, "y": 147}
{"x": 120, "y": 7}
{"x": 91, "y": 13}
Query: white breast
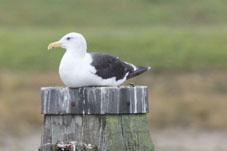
{"x": 74, "y": 71}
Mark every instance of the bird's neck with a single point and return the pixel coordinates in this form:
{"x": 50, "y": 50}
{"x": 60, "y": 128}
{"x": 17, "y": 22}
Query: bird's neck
{"x": 79, "y": 52}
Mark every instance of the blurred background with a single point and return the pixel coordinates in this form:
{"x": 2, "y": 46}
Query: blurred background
{"x": 184, "y": 41}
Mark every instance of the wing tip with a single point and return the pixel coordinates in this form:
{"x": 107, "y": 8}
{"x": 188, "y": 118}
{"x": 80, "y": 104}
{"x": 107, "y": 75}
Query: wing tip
{"x": 138, "y": 71}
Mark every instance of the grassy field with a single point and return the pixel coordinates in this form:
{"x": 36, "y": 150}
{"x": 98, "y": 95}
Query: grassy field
{"x": 112, "y": 13}
{"x": 174, "y": 35}
{"x": 163, "y": 48}
{"x": 183, "y": 41}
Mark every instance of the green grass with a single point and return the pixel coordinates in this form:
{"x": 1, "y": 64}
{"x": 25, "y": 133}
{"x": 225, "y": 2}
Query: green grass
{"x": 167, "y": 35}
{"x": 112, "y": 12}
{"x": 162, "y": 48}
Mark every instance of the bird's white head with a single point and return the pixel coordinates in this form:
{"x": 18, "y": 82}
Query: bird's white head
{"x": 74, "y": 42}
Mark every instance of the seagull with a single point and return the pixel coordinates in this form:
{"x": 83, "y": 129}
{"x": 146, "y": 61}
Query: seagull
{"x": 80, "y": 68}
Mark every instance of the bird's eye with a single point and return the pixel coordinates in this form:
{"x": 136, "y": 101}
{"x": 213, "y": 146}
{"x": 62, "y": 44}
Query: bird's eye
{"x": 68, "y": 38}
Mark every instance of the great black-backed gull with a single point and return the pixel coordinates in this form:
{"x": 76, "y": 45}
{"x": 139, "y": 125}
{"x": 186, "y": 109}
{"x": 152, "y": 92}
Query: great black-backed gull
{"x": 79, "y": 68}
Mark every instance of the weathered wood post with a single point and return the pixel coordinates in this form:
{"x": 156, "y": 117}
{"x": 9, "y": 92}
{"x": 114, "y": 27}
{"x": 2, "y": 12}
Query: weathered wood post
{"x": 95, "y": 119}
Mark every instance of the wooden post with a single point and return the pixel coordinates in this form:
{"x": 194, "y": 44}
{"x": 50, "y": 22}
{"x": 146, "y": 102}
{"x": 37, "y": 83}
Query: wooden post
{"x": 95, "y": 119}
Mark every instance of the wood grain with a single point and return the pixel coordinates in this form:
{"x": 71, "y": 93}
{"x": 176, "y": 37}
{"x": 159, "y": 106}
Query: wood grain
{"x": 94, "y": 100}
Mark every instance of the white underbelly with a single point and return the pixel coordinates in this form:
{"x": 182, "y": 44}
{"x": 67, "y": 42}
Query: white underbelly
{"x": 73, "y": 79}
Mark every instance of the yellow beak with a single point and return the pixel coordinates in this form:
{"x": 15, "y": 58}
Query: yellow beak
{"x": 55, "y": 44}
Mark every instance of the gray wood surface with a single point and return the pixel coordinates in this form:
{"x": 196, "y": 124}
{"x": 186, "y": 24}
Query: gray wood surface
{"x": 94, "y": 100}
{"x": 108, "y": 118}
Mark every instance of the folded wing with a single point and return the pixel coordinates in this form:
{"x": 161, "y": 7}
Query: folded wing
{"x": 108, "y": 66}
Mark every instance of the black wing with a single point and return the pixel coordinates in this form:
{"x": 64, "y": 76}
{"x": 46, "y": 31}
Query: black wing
{"x": 108, "y": 66}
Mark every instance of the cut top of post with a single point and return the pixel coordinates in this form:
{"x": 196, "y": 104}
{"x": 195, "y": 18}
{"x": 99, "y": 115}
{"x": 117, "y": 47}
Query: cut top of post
{"x": 94, "y": 100}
